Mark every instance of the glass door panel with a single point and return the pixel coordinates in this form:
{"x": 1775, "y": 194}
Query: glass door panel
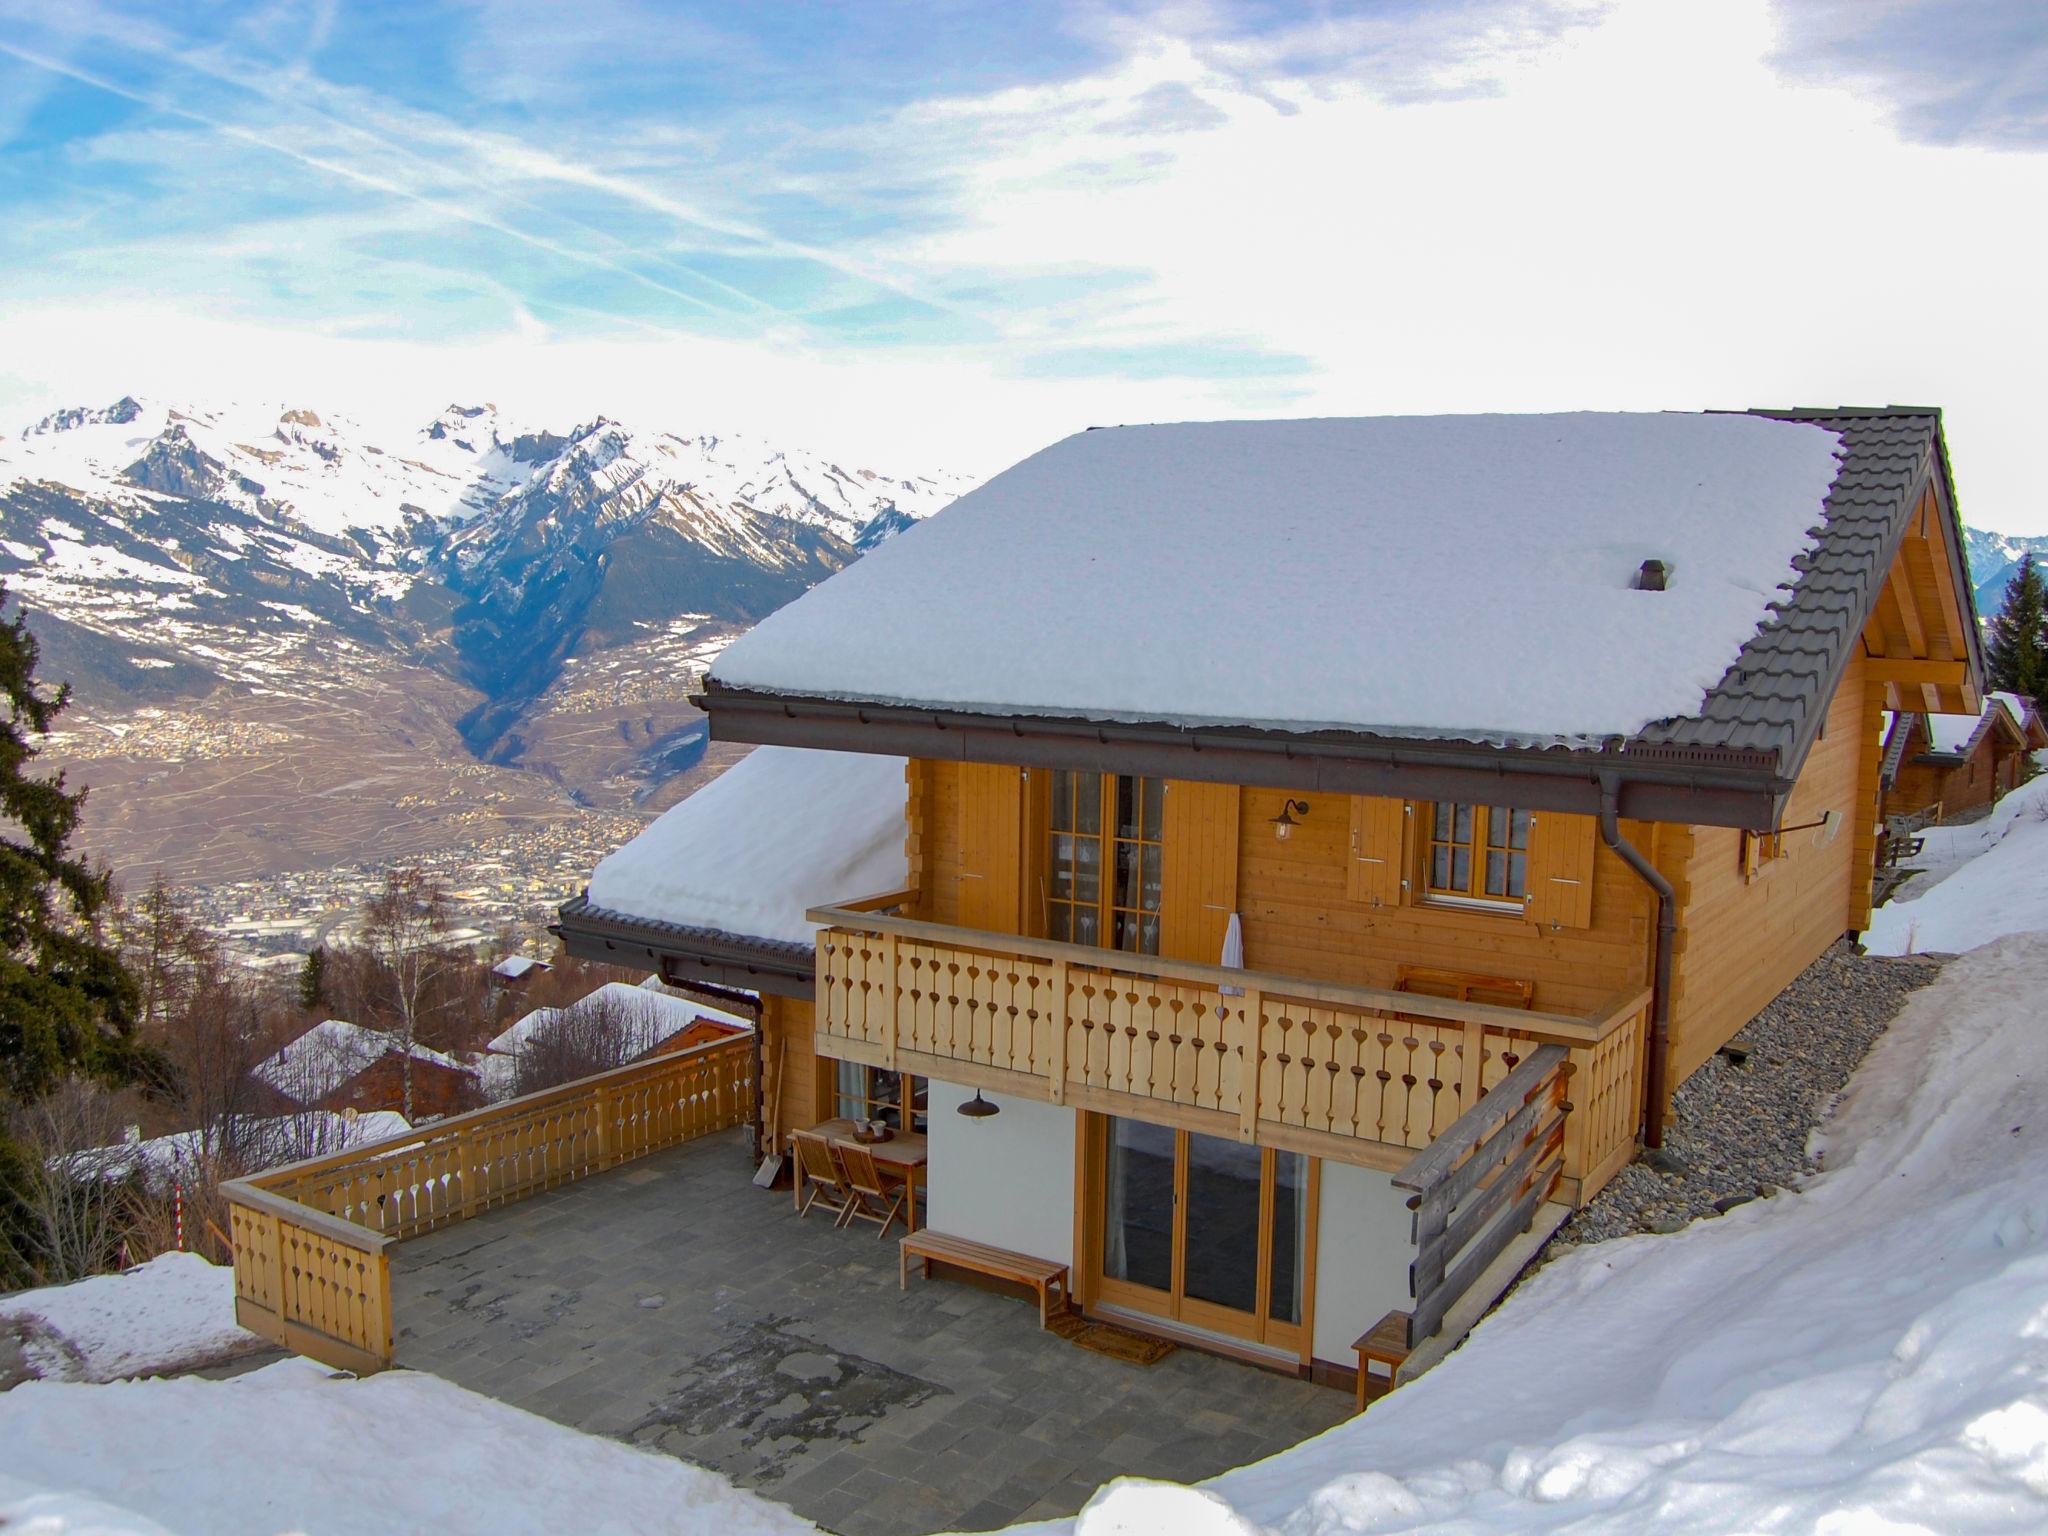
{"x": 1138, "y": 1205}
{"x": 1289, "y": 1264}
{"x": 1222, "y": 1242}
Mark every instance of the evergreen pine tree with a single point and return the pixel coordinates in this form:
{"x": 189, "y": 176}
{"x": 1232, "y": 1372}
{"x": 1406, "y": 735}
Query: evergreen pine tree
{"x": 313, "y": 979}
{"x": 67, "y": 1004}
{"x": 2016, "y": 647}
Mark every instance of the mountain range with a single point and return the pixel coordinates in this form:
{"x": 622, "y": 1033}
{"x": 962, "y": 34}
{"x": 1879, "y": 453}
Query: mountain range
{"x": 269, "y": 600}
{"x": 1993, "y": 559}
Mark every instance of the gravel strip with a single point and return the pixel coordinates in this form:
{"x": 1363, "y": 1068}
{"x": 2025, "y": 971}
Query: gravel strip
{"x": 1740, "y": 1132}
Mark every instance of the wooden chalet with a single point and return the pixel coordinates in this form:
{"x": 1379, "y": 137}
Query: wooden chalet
{"x": 1326, "y": 845}
{"x": 339, "y": 1066}
{"x": 1936, "y": 766}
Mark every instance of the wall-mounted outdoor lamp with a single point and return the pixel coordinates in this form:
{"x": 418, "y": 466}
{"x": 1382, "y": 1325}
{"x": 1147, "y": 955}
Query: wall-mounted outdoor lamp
{"x": 1285, "y": 823}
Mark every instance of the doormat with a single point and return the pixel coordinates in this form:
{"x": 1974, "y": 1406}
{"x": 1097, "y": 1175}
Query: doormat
{"x": 1108, "y": 1339}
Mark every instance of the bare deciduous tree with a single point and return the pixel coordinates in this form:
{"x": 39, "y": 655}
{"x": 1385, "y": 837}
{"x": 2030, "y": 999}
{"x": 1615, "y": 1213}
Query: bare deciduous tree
{"x": 74, "y": 1205}
{"x": 405, "y": 927}
{"x": 602, "y": 1031}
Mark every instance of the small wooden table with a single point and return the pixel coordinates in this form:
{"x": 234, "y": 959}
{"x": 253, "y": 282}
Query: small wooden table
{"x": 903, "y": 1154}
{"x": 1387, "y": 1345}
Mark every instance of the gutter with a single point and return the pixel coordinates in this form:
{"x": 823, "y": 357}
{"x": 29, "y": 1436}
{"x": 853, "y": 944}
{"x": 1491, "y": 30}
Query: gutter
{"x": 1667, "y": 934}
{"x": 1705, "y": 786}
{"x": 695, "y": 956}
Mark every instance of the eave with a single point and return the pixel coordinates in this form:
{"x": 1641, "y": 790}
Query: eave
{"x": 1690, "y": 785}
{"x": 680, "y": 953}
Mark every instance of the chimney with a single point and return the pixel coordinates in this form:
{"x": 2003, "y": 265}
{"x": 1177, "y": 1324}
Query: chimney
{"x": 1651, "y": 577}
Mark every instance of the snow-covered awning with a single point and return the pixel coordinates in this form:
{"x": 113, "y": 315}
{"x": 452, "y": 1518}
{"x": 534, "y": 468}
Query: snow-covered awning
{"x": 780, "y": 832}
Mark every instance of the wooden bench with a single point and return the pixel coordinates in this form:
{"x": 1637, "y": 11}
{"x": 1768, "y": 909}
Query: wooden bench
{"x": 1042, "y": 1275}
{"x": 1386, "y": 1344}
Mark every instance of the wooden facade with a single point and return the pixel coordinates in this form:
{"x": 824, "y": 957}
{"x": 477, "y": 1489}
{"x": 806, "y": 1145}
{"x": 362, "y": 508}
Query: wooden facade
{"x": 1993, "y": 762}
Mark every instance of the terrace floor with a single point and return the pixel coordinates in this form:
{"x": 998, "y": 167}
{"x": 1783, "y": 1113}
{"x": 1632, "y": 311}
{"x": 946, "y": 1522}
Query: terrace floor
{"x": 672, "y": 1304}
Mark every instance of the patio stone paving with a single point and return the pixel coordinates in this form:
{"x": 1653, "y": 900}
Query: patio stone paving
{"x": 671, "y": 1304}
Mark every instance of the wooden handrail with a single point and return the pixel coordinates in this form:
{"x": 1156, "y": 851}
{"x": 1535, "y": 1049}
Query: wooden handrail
{"x": 885, "y": 899}
{"x": 1558, "y": 1027}
{"x": 1434, "y": 1162}
{"x": 455, "y": 1125}
{"x": 347, "y": 1233}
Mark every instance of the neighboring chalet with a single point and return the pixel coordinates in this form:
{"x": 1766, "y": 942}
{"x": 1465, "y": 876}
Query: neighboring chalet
{"x": 1261, "y": 817}
{"x": 1937, "y": 766}
{"x": 336, "y": 1065}
{"x": 648, "y": 1019}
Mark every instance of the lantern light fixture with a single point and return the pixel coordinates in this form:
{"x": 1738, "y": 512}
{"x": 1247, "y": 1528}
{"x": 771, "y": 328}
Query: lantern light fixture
{"x": 978, "y": 1108}
{"x": 1287, "y": 821}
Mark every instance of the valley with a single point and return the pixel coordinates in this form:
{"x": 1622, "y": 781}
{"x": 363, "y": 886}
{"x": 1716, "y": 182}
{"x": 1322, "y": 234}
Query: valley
{"x": 300, "y": 653}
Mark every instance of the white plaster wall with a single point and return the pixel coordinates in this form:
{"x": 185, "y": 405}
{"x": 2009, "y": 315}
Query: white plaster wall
{"x": 1007, "y": 1179}
{"x": 1362, "y": 1257}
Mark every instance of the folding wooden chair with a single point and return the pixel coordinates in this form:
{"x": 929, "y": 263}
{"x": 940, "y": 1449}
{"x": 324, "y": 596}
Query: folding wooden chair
{"x": 872, "y": 1200}
{"x": 820, "y": 1177}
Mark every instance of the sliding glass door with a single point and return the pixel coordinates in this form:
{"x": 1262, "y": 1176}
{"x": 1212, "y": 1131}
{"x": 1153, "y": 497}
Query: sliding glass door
{"x": 1201, "y": 1230}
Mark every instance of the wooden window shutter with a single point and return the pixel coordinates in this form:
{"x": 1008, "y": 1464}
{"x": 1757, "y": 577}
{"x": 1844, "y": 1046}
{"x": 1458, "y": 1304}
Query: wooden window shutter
{"x": 1198, "y": 870}
{"x": 1377, "y": 868}
{"x": 991, "y": 839}
{"x": 1561, "y": 852}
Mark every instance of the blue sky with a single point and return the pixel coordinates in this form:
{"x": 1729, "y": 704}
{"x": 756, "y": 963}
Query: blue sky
{"x": 942, "y": 234}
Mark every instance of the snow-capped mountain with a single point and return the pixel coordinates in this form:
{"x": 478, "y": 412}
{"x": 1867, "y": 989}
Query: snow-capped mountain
{"x": 1993, "y": 559}
{"x": 263, "y": 545}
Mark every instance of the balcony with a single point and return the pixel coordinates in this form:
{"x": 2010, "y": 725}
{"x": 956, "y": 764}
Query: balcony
{"x": 1358, "y": 1074}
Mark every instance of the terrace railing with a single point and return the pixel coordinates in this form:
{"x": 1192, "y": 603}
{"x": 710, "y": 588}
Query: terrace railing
{"x": 1357, "y": 1073}
{"x": 312, "y": 1271}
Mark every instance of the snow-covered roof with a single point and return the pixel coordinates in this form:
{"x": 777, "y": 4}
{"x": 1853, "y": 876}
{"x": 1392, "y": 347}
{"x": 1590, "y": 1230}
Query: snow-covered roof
{"x": 660, "y": 1015}
{"x": 1956, "y": 735}
{"x": 329, "y": 1054}
{"x": 1459, "y": 576}
{"x": 266, "y": 1141}
{"x": 781, "y": 831}
{"x": 514, "y": 967}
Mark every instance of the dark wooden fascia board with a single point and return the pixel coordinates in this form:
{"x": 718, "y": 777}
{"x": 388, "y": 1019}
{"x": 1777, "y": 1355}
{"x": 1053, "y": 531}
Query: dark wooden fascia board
{"x": 1683, "y": 785}
{"x": 684, "y": 954}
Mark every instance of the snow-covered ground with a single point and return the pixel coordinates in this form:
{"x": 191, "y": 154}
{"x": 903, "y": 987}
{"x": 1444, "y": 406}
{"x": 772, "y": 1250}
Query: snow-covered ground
{"x": 172, "y": 1313}
{"x": 294, "y": 1448}
{"x": 1982, "y": 881}
{"x": 1867, "y": 1355}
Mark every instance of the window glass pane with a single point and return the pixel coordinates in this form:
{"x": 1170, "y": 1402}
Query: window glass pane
{"x": 1059, "y": 922}
{"x": 1440, "y": 868}
{"x": 1496, "y": 873}
{"x": 1518, "y": 825}
{"x": 1124, "y": 927}
{"x": 1462, "y": 823}
{"x": 1148, "y": 894}
{"x": 1137, "y": 1205}
{"x": 1461, "y": 868}
{"x": 1222, "y": 1259}
{"x": 1126, "y": 806}
{"x": 1518, "y": 874}
{"x": 1148, "y": 935}
{"x": 1063, "y": 866}
{"x": 850, "y": 1086}
{"x": 1126, "y": 874}
{"x": 1087, "y": 881}
{"x": 1155, "y": 807}
{"x": 1087, "y": 929}
{"x": 1087, "y": 802}
{"x": 1290, "y": 1235}
{"x": 1062, "y": 800}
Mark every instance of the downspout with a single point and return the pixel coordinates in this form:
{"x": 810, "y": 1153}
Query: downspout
{"x": 1667, "y": 934}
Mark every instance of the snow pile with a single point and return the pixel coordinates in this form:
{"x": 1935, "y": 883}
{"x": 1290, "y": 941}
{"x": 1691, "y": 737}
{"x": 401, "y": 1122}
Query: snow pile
{"x": 329, "y": 1054}
{"x": 780, "y": 832}
{"x": 1998, "y": 883}
{"x": 1868, "y": 1355}
{"x": 1306, "y": 574}
{"x": 175, "y": 1312}
{"x": 291, "y": 1448}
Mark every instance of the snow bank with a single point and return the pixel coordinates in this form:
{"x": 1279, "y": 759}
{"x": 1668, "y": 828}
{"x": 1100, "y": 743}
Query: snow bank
{"x": 172, "y": 1313}
{"x": 1868, "y": 1355}
{"x": 1999, "y": 887}
{"x": 291, "y": 1448}
{"x": 1305, "y": 574}
{"x": 781, "y": 831}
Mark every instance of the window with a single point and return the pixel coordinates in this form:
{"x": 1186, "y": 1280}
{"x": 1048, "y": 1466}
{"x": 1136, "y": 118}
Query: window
{"x": 1759, "y": 849}
{"x": 1104, "y": 860}
{"x": 875, "y": 1093}
{"x": 1477, "y": 852}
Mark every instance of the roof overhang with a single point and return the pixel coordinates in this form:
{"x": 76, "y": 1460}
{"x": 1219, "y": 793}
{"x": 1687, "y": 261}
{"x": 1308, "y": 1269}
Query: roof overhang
{"x": 1702, "y": 786}
{"x": 682, "y": 954}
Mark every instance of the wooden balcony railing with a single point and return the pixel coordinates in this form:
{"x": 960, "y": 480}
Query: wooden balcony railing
{"x": 1361, "y": 1074}
{"x": 310, "y": 1238}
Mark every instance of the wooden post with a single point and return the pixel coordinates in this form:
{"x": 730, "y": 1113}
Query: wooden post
{"x": 1248, "y": 1075}
{"x": 1056, "y": 1066}
{"x": 889, "y": 1000}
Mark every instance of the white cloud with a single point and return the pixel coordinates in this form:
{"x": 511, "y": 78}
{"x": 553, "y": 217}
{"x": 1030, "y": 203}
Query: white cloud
{"x": 1635, "y": 210}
